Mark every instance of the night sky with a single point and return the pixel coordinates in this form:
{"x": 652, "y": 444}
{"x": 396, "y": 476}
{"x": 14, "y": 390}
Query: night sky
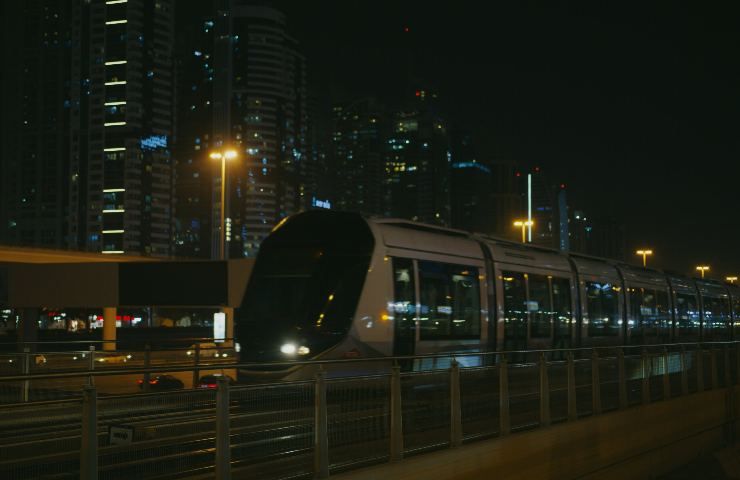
{"x": 634, "y": 107}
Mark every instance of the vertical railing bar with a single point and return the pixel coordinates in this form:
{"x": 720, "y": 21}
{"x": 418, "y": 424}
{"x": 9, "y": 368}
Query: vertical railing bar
{"x": 504, "y": 419}
{"x": 572, "y": 404}
{"x": 700, "y": 368}
{"x": 26, "y": 370}
{"x": 728, "y": 372}
{"x": 396, "y": 415}
{"x": 321, "y": 429}
{"x": 223, "y": 432}
{"x": 684, "y": 373}
{"x": 595, "y": 383}
{"x": 645, "y": 377}
{"x": 544, "y": 392}
{"x": 455, "y": 405}
{"x": 623, "y": 401}
{"x": 89, "y": 431}
{"x": 666, "y": 376}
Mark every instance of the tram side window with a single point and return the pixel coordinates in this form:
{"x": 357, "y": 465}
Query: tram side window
{"x": 736, "y": 312}
{"x": 603, "y": 310}
{"x": 649, "y": 320}
{"x": 716, "y": 318}
{"x": 663, "y": 311}
{"x": 450, "y": 301}
{"x": 687, "y": 316}
{"x": 404, "y": 305}
{"x": 539, "y": 306}
{"x": 563, "y": 311}
{"x": 515, "y": 311}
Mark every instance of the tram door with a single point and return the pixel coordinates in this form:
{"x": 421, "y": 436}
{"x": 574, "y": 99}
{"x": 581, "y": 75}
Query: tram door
{"x": 404, "y": 307}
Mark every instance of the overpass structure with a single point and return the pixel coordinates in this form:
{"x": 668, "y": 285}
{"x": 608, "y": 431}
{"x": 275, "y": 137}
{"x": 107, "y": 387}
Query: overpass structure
{"x": 34, "y": 278}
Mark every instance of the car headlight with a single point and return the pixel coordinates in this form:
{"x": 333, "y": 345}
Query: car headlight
{"x": 288, "y": 348}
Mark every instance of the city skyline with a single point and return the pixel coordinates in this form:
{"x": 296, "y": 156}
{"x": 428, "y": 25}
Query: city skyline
{"x": 577, "y": 110}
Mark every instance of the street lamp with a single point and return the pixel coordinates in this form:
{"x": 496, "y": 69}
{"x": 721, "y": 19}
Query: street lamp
{"x": 731, "y": 279}
{"x": 524, "y": 224}
{"x": 223, "y": 156}
{"x": 702, "y": 269}
{"x": 644, "y": 254}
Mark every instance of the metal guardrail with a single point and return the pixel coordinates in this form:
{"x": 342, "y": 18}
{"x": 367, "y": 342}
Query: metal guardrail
{"x": 327, "y": 425}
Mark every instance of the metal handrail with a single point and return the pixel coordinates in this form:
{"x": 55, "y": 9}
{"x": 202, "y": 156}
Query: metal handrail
{"x": 308, "y": 363}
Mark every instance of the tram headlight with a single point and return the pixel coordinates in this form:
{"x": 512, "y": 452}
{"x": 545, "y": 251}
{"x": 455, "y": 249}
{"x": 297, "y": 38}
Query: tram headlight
{"x": 288, "y": 348}
{"x": 237, "y": 347}
{"x": 303, "y": 350}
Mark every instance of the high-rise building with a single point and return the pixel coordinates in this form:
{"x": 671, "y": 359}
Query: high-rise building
{"x": 247, "y": 92}
{"x": 35, "y": 122}
{"x": 93, "y": 168}
{"x": 418, "y": 163}
{"x": 359, "y": 148}
{"x": 470, "y": 186}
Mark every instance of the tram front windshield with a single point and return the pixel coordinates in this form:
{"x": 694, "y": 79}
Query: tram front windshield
{"x": 305, "y": 286}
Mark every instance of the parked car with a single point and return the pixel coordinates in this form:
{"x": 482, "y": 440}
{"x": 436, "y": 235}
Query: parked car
{"x": 162, "y": 382}
{"x": 211, "y": 381}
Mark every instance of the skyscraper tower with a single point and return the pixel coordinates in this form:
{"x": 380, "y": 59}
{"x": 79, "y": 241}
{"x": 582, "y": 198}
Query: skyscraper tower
{"x": 250, "y": 95}
{"x": 35, "y": 121}
{"x": 125, "y": 199}
{"x": 92, "y": 170}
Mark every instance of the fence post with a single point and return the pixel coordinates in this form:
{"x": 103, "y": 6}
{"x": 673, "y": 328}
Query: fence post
{"x": 89, "y": 439}
{"x": 223, "y": 441}
{"x": 321, "y": 429}
{"x": 571, "y": 373}
{"x": 147, "y": 364}
{"x": 713, "y": 366}
{"x": 196, "y": 363}
{"x": 91, "y": 366}
{"x": 396, "y": 415}
{"x": 666, "y": 376}
{"x": 622, "y": 380}
{"x": 684, "y": 373}
{"x": 503, "y": 383}
{"x": 728, "y": 369}
{"x": 700, "y": 369}
{"x": 645, "y": 377}
{"x": 26, "y": 370}
{"x": 595, "y": 383}
{"x": 455, "y": 406}
{"x": 544, "y": 392}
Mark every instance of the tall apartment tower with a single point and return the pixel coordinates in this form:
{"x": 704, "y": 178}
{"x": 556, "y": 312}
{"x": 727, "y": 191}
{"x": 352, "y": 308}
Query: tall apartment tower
{"x": 359, "y": 148}
{"x": 246, "y": 91}
{"x": 35, "y": 116}
{"x": 121, "y": 165}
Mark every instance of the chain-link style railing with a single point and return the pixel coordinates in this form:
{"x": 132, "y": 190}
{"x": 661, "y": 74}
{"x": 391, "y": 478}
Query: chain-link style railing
{"x": 313, "y": 428}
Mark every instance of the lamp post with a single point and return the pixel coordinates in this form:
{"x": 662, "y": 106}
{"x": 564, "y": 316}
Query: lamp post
{"x": 223, "y": 156}
{"x": 731, "y": 279}
{"x": 702, "y": 269}
{"x": 644, "y": 254}
{"x": 524, "y": 224}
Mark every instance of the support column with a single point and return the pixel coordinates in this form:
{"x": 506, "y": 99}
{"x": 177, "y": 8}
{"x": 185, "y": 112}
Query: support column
{"x": 229, "y": 312}
{"x": 109, "y": 328}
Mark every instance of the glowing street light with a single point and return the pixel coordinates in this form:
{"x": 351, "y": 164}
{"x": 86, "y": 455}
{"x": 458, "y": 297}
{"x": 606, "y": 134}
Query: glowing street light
{"x": 702, "y": 269}
{"x": 524, "y": 224}
{"x": 644, "y": 254}
{"x": 731, "y": 279}
{"x": 223, "y": 156}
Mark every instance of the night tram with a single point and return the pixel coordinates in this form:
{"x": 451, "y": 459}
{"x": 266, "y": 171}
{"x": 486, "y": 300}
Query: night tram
{"x": 333, "y": 285}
